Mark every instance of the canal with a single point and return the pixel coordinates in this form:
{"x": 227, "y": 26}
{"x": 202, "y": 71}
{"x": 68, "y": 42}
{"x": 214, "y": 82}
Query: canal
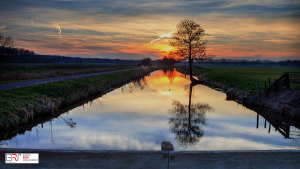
{"x": 160, "y": 107}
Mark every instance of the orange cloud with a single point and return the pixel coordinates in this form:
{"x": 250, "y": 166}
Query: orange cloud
{"x": 229, "y": 35}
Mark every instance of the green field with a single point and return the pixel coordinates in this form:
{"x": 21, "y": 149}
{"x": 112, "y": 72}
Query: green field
{"x": 245, "y": 77}
{"x": 43, "y": 67}
{"x": 11, "y": 73}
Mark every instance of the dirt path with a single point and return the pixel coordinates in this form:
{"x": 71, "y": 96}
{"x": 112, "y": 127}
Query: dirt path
{"x": 54, "y": 79}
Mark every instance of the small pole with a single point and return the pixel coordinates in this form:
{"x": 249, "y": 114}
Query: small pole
{"x": 257, "y": 88}
{"x": 43, "y": 87}
{"x": 276, "y": 85}
{"x": 166, "y": 145}
{"x": 269, "y": 127}
{"x": 265, "y": 123}
{"x": 266, "y": 88}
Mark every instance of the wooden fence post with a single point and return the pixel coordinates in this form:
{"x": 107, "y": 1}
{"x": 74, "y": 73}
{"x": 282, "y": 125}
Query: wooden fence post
{"x": 257, "y": 88}
{"x": 43, "y": 88}
{"x": 266, "y": 89}
{"x": 276, "y": 85}
{"x": 270, "y": 89}
{"x": 287, "y": 81}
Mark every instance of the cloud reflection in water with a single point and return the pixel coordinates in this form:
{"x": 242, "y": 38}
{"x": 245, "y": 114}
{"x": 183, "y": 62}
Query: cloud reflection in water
{"x": 139, "y": 120}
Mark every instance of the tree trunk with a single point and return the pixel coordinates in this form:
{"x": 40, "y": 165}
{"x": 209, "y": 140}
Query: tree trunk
{"x": 190, "y": 62}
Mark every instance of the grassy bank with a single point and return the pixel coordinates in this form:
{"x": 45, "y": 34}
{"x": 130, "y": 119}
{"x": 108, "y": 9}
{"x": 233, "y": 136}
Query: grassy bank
{"x": 18, "y": 106}
{"x": 244, "y": 77}
{"x": 23, "y": 72}
{"x": 240, "y": 81}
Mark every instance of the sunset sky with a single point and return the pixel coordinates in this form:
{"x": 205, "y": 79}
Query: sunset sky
{"x": 244, "y": 29}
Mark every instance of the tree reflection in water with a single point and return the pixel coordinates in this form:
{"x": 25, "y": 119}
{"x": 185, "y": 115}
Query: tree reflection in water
{"x": 186, "y": 120}
{"x": 139, "y": 84}
{"x": 170, "y": 73}
{"x": 93, "y": 103}
{"x": 32, "y": 130}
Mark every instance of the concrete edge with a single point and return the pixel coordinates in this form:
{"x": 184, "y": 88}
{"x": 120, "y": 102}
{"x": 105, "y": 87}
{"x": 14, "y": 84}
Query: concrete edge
{"x": 144, "y": 151}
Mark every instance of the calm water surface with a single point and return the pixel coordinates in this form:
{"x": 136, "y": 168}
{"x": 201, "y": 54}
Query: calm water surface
{"x": 160, "y": 107}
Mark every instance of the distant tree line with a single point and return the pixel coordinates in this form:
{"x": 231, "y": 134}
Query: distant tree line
{"x": 21, "y": 55}
{"x": 11, "y": 54}
{"x": 145, "y": 62}
{"x": 168, "y": 61}
{"x": 252, "y": 63}
{"x": 66, "y": 59}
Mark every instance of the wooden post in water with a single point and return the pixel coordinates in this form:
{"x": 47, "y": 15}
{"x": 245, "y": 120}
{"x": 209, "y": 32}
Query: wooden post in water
{"x": 265, "y": 123}
{"x": 257, "y": 121}
{"x": 257, "y": 88}
{"x": 287, "y": 132}
{"x": 269, "y": 127}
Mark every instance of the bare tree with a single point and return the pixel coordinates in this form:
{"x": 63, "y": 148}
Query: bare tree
{"x": 189, "y": 44}
{"x": 6, "y": 44}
